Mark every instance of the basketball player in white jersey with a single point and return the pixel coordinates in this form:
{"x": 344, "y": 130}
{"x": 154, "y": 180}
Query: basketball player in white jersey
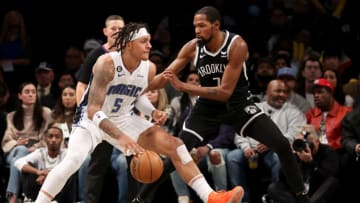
{"x": 106, "y": 113}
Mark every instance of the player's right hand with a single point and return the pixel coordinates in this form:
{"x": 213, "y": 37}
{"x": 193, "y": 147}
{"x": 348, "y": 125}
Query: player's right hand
{"x": 130, "y": 146}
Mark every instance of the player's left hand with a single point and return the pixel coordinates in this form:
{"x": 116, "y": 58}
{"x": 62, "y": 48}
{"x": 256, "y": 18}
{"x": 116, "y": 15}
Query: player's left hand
{"x": 174, "y": 80}
{"x": 159, "y": 117}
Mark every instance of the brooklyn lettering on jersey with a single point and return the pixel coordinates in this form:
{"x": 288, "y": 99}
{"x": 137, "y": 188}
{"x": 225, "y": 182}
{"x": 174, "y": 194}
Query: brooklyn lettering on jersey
{"x": 211, "y": 69}
{"x": 124, "y": 89}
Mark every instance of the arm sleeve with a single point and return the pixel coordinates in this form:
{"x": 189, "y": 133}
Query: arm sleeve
{"x": 144, "y": 105}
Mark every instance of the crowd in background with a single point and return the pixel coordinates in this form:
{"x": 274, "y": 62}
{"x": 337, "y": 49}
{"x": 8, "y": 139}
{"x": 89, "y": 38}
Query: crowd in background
{"x": 303, "y": 69}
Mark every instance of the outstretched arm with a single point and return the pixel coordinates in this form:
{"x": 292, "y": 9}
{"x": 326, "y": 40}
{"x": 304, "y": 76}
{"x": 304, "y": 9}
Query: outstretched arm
{"x": 103, "y": 74}
{"x": 184, "y": 57}
{"x": 237, "y": 56}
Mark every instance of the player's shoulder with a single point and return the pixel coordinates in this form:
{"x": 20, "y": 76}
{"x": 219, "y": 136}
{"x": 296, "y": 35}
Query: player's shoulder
{"x": 105, "y": 58}
{"x": 104, "y": 63}
{"x": 239, "y": 42}
{"x": 191, "y": 44}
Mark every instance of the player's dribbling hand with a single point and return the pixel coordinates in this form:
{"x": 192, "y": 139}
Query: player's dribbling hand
{"x": 130, "y": 146}
{"x": 159, "y": 117}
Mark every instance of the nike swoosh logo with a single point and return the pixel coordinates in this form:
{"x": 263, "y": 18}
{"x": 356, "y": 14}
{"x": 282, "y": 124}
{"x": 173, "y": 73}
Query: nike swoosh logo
{"x": 119, "y": 75}
{"x": 201, "y": 56}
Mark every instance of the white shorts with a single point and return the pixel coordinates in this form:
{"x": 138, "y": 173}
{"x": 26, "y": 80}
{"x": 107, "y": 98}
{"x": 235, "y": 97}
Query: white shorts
{"x": 132, "y": 125}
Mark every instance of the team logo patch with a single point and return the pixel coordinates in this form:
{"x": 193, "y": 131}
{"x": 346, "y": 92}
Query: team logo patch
{"x": 119, "y": 69}
{"x": 251, "y": 109}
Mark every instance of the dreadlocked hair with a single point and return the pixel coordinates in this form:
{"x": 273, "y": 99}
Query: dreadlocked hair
{"x": 126, "y": 34}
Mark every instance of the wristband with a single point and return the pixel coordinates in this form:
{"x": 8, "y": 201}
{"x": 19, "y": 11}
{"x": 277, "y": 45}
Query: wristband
{"x": 98, "y": 117}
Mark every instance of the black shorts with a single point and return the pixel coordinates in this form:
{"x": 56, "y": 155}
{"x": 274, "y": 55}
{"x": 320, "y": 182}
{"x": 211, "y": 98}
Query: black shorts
{"x": 204, "y": 120}
{"x": 241, "y": 115}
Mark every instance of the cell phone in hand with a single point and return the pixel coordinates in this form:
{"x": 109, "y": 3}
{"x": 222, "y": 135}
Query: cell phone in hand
{"x": 30, "y": 143}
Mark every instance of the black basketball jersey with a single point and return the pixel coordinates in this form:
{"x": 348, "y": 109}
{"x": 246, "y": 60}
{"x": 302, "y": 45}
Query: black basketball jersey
{"x": 210, "y": 67}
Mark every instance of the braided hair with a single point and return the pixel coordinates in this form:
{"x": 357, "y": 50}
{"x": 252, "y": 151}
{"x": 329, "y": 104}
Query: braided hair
{"x": 126, "y": 34}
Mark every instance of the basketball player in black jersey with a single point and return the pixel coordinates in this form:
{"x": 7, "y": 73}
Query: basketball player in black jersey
{"x": 219, "y": 57}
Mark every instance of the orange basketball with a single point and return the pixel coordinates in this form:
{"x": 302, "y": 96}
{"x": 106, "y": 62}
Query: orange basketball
{"x": 146, "y": 167}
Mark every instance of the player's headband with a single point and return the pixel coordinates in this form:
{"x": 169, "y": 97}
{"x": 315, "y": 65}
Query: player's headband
{"x": 140, "y": 33}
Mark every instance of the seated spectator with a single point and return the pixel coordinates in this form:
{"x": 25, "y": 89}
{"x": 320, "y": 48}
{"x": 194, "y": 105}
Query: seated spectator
{"x": 24, "y": 132}
{"x": 160, "y": 100}
{"x": 64, "y": 110}
{"x": 288, "y": 75}
{"x": 327, "y": 114}
{"x": 319, "y": 164}
{"x": 36, "y": 166}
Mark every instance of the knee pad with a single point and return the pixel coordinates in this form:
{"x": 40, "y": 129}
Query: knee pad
{"x": 183, "y": 154}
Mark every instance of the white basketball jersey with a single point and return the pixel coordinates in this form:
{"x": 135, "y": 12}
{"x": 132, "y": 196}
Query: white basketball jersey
{"x": 123, "y": 90}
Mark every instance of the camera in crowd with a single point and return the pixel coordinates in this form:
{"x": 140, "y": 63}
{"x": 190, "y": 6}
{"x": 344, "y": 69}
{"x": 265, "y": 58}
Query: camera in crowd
{"x": 301, "y": 144}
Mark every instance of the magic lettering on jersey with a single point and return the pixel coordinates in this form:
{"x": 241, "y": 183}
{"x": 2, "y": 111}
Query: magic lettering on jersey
{"x": 211, "y": 69}
{"x": 123, "y": 89}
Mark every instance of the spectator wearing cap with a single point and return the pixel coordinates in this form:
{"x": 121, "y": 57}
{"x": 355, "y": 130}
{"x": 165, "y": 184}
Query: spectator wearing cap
{"x": 327, "y": 114}
{"x": 46, "y": 91}
{"x": 288, "y": 75}
{"x": 90, "y": 44}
